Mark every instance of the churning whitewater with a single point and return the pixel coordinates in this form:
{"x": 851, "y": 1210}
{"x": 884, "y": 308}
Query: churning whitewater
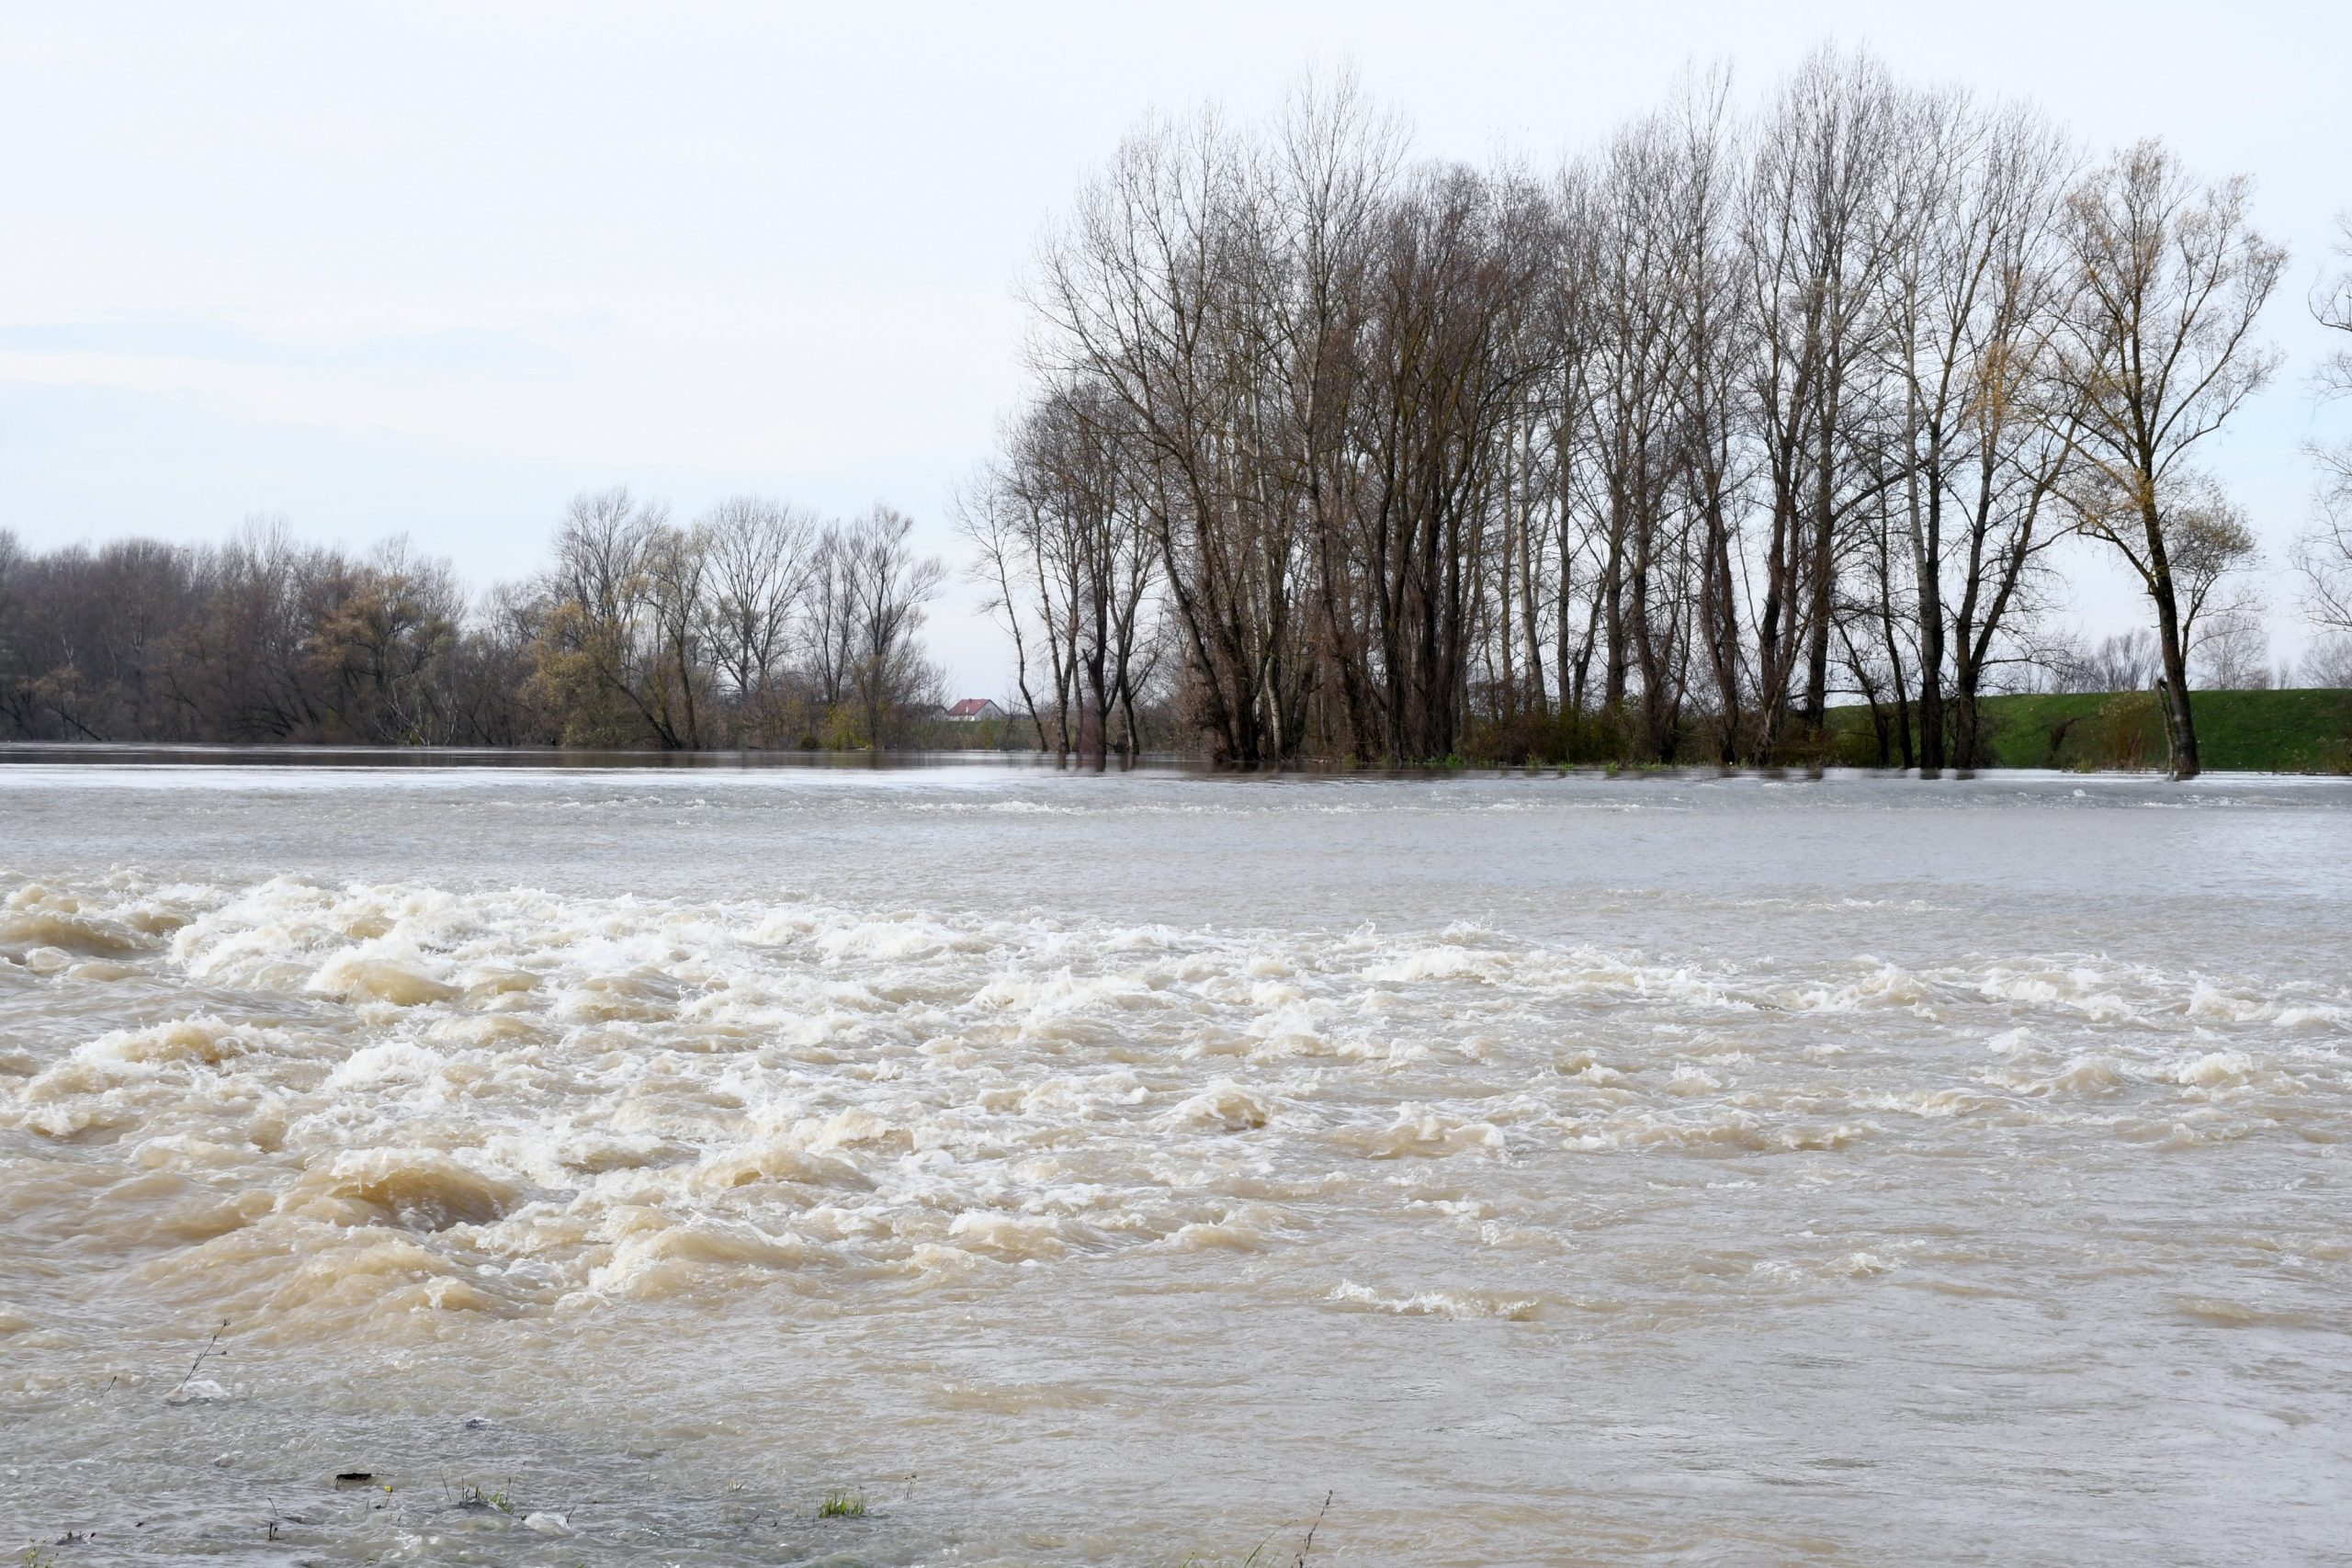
{"x": 611, "y": 1167}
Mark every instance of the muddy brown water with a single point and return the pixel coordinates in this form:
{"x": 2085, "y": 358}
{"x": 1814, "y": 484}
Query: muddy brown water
{"x": 1086, "y": 1170}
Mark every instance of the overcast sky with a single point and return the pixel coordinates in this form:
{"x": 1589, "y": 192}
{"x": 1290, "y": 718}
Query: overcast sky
{"x": 433, "y": 268}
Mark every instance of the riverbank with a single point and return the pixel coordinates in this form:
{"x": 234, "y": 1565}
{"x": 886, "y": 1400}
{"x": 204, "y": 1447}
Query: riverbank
{"x": 2307, "y": 731}
{"x": 2275, "y": 732}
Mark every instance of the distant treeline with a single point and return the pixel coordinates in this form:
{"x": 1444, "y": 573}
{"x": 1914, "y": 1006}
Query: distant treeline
{"x": 754, "y": 625}
{"x": 1652, "y": 454}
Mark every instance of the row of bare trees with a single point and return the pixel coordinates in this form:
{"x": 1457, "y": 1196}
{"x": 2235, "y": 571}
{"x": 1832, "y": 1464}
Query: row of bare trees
{"x": 1661, "y": 449}
{"x": 755, "y": 625}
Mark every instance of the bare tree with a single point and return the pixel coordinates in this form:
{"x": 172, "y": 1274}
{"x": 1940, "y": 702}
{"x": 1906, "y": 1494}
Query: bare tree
{"x": 2170, "y": 276}
{"x": 1629, "y": 461}
{"x": 828, "y": 634}
{"x": 2328, "y": 661}
{"x": 1437, "y": 387}
{"x": 993, "y": 519}
{"x": 381, "y": 645}
{"x": 2211, "y": 548}
{"x": 1072, "y": 510}
{"x": 2121, "y": 661}
{"x": 1715, "y": 340}
{"x": 624, "y": 653}
{"x": 760, "y": 557}
{"x": 1194, "y": 287}
{"x": 2233, "y": 651}
{"x": 2001, "y": 477}
{"x": 889, "y": 586}
{"x": 2324, "y": 554}
{"x": 1818, "y": 250}
{"x": 1974, "y": 290}
{"x": 2332, "y": 307}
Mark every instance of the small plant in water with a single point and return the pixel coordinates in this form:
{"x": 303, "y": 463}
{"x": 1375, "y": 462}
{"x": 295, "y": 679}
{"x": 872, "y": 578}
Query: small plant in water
{"x": 1258, "y": 1553}
{"x": 211, "y": 1347}
{"x": 472, "y": 1496}
{"x": 843, "y": 1505}
{"x": 1307, "y": 1546}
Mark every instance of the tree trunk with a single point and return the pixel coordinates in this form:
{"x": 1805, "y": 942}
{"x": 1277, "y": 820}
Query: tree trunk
{"x": 2180, "y": 724}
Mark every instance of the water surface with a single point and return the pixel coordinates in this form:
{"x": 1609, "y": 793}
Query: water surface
{"x": 1105, "y": 1169}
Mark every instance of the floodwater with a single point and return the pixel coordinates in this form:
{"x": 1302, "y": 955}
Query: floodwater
{"x": 1081, "y": 1169}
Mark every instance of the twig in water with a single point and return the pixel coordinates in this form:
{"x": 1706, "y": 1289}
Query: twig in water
{"x": 192, "y": 1366}
{"x": 1308, "y": 1544}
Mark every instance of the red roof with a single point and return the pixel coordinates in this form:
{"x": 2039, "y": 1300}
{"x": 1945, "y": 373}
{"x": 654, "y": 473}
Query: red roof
{"x": 970, "y": 707}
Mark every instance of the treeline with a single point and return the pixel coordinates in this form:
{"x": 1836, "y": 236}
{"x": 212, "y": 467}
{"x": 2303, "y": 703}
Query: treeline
{"x": 756, "y": 625}
{"x": 1330, "y": 454}
{"x": 1653, "y": 454}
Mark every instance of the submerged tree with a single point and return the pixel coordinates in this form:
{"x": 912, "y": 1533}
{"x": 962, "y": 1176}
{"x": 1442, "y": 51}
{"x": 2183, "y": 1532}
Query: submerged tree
{"x": 762, "y": 561}
{"x": 1065, "y": 545}
{"x": 888, "y": 586}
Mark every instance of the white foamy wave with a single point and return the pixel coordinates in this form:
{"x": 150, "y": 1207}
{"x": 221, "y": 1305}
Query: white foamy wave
{"x": 367, "y": 1099}
{"x": 1458, "y": 1305}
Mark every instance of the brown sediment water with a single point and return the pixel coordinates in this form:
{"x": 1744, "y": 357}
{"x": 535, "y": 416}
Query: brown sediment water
{"x": 608, "y": 1166}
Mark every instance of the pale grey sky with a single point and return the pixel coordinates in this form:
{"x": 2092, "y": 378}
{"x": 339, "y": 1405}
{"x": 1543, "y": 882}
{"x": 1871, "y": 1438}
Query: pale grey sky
{"x": 434, "y": 267}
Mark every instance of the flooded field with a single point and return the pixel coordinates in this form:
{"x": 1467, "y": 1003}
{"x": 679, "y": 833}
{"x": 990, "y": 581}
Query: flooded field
{"x": 612, "y": 1166}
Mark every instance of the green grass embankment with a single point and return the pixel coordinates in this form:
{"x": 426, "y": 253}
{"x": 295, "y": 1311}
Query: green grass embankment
{"x": 2284, "y": 732}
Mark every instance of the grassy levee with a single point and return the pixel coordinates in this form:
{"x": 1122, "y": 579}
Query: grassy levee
{"x": 2281, "y": 732}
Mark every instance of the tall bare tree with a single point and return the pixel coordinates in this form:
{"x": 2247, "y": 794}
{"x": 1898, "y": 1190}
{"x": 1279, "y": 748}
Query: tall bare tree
{"x": 1817, "y": 253}
{"x": 607, "y": 658}
{"x": 889, "y": 585}
{"x": 2169, "y": 277}
{"x": 1974, "y": 290}
{"x": 759, "y": 556}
